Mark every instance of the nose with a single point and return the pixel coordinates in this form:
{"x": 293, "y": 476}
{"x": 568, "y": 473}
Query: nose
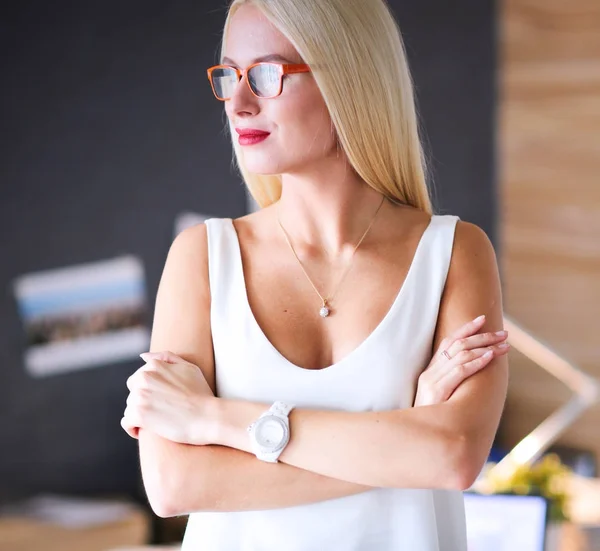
{"x": 243, "y": 102}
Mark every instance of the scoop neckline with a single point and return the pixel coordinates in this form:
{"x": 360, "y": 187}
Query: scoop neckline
{"x": 395, "y": 305}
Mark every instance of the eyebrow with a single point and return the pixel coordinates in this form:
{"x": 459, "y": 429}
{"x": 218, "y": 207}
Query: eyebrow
{"x": 269, "y": 57}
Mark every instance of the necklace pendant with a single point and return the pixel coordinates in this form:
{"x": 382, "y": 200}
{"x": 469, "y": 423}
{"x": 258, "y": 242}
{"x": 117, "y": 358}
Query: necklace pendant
{"x": 324, "y": 311}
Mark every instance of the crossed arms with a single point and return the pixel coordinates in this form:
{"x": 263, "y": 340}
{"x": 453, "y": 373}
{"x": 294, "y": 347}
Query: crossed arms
{"x": 437, "y": 446}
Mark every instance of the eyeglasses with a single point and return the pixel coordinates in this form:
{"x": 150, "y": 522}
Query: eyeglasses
{"x": 264, "y": 79}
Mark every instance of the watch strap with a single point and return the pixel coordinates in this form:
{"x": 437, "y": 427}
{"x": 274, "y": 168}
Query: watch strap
{"x": 280, "y": 408}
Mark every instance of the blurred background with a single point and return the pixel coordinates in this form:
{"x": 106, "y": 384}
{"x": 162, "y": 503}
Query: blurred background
{"x": 112, "y": 142}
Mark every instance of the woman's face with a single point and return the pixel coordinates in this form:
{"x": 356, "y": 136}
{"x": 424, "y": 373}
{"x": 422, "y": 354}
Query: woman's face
{"x": 297, "y": 120}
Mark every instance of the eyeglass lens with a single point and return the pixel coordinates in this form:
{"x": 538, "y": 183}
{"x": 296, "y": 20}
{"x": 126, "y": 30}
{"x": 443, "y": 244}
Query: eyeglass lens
{"x": 264, "y": 79}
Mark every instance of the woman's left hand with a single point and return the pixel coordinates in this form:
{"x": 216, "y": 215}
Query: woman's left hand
{"x": 459, "y": 357}
{"x": 170, "y": 397}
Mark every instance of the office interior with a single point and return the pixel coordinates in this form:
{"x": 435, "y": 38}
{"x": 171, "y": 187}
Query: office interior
{"x": 113, "y": 143}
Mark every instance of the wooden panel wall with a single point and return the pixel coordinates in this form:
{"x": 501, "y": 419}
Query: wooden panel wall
{"x": 549, "y": 158}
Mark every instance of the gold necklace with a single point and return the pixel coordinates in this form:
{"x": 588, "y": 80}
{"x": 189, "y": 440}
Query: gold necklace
{"x": 325, "y": 310}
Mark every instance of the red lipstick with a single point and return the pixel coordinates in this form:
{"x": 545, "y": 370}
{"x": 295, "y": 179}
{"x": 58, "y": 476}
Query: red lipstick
{"x": 251, "y": 136}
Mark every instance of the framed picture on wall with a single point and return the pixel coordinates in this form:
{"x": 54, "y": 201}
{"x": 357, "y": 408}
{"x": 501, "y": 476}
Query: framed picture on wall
{"x": 83, "y": 316}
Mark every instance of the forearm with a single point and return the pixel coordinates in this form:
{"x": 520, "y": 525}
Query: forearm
{"x": 180, "y": 479}
{"x": 410, "y": 448}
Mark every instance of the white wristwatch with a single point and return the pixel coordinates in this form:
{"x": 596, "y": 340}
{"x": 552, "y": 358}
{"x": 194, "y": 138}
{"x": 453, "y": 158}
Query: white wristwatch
{"x": 270, "y": 433}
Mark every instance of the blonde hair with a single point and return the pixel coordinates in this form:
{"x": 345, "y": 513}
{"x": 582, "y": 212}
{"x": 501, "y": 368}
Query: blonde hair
{"x": 366, "y": 85}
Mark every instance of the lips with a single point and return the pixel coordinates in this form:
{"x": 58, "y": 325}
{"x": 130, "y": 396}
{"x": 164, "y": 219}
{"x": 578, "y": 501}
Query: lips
{"x": 251, "y": 132}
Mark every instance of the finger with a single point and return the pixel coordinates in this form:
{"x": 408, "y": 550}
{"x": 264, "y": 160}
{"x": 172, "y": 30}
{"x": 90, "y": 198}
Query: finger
{"x": 476, "y": 341}
{"x": 443, "y": 364}
{"x": 437, "y": 371}
{"x": 134, "y": 416}
{"x": 466, "y": 330}
{"x": 463, "y": 370}
{"x": 130, "y": 429}
{"x": 137, "y": 398}
{"x": 127, "y": 427}
{"x": 465, "y": 356}
{"x": 139, "y": 378}
{"x": 501, "y": 349}
{"x": 132, "y": 382}
{"x": 455, "y": 377}
{"x": 131, "y": 421}
{"x": 165, "y": 356}
{"x": 469, "y": 328}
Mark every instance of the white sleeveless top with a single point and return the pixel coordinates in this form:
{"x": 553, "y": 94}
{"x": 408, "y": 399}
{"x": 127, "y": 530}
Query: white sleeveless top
{"x": 381, "y": 374}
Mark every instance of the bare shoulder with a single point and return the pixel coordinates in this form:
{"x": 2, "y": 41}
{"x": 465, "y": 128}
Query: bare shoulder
{"x": 470, "y": 240}
{"x": 473, "y": 282}
{"x": 190, "y": 244}
{"x": 186, "y": 265}
{"x": 473, "y": 254}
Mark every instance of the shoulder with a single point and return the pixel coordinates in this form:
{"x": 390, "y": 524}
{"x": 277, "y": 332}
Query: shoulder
{"x": 473, "y": 254}
{"x": 473, "y": 282}
{"x": 186, "y": 265}
{"x": 190, "y": 246}
{"x": 471, "y": 246}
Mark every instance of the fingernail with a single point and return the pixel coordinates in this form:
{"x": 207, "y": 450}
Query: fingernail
{"x": 479, "y": 318}
{"x": 488, "y": 354}
{"x": 145, "y": 355}
{"x": 503, "y": 345}
{"x": 501, "y": 333}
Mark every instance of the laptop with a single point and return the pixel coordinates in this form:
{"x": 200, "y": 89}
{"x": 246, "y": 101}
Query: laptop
{"x": 501, "y": 522}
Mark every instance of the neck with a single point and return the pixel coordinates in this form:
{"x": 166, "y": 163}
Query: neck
{"x": 329, "y": 210}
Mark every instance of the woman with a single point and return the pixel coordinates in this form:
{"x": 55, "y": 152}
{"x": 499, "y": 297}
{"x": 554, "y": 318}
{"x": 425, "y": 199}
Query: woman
{"x": 333, "y": 301}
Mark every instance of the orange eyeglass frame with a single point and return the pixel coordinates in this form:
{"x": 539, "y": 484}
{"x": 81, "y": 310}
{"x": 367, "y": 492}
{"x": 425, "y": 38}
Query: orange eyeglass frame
{"x": 284, "y": 69}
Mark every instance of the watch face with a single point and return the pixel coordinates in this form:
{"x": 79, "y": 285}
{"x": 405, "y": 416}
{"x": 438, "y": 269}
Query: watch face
{"x": 270, "y": 433}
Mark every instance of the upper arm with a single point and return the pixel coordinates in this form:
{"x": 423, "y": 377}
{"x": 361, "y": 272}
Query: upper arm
{"x": 182, "y": 310}
{"x": 181, "y": 325}
{"x": 473, "y": 288}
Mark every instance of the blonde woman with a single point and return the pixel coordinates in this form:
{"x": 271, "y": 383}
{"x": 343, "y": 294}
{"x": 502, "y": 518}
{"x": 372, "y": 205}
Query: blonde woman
{"x": 316, "y": 380}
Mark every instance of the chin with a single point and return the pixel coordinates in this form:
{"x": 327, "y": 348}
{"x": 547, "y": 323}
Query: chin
{"x": 265, "y": 167}
{"x": 267, "y": 164}
{"x": 262, "y": 170}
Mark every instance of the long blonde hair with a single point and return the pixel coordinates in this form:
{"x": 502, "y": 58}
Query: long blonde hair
{"x": 358, "y": 60}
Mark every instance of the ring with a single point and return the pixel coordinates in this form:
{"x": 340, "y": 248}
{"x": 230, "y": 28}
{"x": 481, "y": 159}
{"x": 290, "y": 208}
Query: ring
{"x": 445, "y": 353}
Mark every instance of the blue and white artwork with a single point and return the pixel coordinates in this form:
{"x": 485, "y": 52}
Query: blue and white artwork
{"x": 83, "y": 316}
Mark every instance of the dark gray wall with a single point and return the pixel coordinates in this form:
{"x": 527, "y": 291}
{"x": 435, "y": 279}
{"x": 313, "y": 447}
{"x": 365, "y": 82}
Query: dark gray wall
{"x": 109, "y": 129}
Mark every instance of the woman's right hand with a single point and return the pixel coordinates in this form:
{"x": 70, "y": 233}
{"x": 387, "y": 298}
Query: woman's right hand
{"x": 458, "y": 357}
